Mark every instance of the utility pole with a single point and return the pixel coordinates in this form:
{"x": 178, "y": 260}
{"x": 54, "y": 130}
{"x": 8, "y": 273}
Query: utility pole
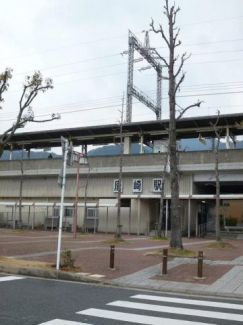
{"x": 62, "y": 183}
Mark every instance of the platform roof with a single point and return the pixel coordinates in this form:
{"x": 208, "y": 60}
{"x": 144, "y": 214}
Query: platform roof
{"x": 187, "y": 128}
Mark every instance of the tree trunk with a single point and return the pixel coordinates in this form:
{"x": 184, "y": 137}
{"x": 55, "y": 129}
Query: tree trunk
{"x": 217, "y": 217}
{"x": 85, "y": 199}
{"x": 161, "y": 210}
{"x": 119, "y": 226}
{"x": 176, "y": 236}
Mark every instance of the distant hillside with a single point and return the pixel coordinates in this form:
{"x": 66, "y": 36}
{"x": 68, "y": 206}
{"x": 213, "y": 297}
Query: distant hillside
{"x": 110, "y": 150}
{"x": 184, "y": 145}
{"x": 196, "y": 145}
{"x": 33, "y": 155}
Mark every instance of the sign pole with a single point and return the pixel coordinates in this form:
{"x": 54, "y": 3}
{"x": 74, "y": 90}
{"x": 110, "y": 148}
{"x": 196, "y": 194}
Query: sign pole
{"x": 65, "y": 151}
{"x": 76, "y": 199}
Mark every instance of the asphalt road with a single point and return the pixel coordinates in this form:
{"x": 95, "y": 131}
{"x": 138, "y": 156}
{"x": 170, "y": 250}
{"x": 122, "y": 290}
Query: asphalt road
{"x": 29, "y": 301}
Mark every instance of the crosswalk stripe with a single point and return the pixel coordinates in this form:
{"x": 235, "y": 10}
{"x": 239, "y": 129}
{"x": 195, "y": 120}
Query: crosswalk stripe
{"x": 134, "y": 318}
{"x": 189, "y": 301}
{"x": 62, "y": 322}
{"x": 10, "y": 278}
{"x": 177, "y": 310}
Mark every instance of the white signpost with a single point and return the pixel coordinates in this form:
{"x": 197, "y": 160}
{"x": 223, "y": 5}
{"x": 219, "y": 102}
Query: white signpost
{"x": 61, "y": 182}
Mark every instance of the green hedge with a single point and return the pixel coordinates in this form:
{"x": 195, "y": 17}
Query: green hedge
{"x": 232, "y": 222}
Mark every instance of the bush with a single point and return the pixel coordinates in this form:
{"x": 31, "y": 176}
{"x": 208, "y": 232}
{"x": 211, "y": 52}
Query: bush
{"x": 67, "y": 260}
{"x": 231, "y": 222}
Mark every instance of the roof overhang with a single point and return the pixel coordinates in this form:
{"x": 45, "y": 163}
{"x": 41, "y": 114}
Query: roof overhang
{"x": 187, "y": 128}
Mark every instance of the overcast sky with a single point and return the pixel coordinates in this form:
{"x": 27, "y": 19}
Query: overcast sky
{"x": 78, "y": 44}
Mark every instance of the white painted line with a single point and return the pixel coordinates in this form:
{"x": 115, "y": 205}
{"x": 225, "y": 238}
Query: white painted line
{"x": 133, "y": 318}
{"x": 62, "y": 322}
{"x": 190, "y": 302}
{"x": 177, "y": 310}
{"x": 10, "y": 278}
{"x": 97, "y": 276}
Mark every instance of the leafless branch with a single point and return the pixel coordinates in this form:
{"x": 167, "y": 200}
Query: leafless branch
{"x": 187, "y": 108}
{"x": 184, "y": 57}
{"x": 4, "y": 78}
{"x": 32, "y": 87}
{"x": 179, "y": 82}
{"x": 214, "y": 126}
{"x": 161, "y": 31}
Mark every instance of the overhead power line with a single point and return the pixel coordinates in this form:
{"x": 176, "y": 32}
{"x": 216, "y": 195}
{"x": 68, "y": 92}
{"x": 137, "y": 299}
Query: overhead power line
{"x": 211, "y": 21}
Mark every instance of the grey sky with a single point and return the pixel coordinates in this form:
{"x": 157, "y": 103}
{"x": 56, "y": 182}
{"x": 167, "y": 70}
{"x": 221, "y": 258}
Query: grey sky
{"x": 60, "y": 37}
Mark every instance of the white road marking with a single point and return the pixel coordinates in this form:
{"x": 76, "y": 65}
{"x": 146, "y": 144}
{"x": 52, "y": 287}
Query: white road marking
{"x": 189, "y": 301}
{"x": 133, "y": 318}
{"x": 177, "y": 310}
{"x": 62, "y": 322}
{"x": 10, "y": 278}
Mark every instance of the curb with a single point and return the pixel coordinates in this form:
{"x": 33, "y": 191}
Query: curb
{"x": 46, "y": 273}
{"x": 68, "y": 276}
{"x": 178, "y": 291}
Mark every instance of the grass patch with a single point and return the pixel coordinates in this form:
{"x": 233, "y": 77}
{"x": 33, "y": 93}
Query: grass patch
{"x": 115, "y": 241}
{"x": 159, "y": 238}
{"x": 172, "y": 252}
{"x": 9, "y": 261}
{"x": 220, "y": 245}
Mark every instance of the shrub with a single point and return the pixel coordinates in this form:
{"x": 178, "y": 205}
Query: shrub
{"x": 231, "y": 222}
{"x": 67, "y": 260}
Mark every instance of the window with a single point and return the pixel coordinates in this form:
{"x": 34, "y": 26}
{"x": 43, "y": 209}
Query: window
{"x": 68, "y": 212}
{"x": 116, "y": 185}
{"x": 92, "y": 213}
{"x": 157, "y": 185}
{"x": 137, "y": 185}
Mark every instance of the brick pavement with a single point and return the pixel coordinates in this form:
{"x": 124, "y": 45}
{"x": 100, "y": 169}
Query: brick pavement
{"x": 223, "y": 268}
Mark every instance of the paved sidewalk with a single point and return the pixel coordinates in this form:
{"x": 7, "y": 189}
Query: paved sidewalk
{"x": 222, "y": 270}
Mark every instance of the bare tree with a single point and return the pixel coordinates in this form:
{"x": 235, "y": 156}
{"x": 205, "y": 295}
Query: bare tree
{"x": 85, "y": 197}
{"x": 22, "y": 175}
{"x": 119, "y": 226}
{"x": 175, "y": 77}
{"x": 33, "y": 85}
{"x": 216, "y": 156}
{"x": 165, "y": 175}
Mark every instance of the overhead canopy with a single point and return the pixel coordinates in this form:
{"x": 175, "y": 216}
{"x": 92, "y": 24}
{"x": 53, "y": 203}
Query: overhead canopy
{"x": 187, "y": 128}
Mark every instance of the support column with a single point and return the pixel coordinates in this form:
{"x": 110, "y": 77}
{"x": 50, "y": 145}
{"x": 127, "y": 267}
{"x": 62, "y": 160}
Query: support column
{"x": 130, "y": 78}
{"x": 139, "y": 211}
{"x": 28, "y": 153}
{"x": 227, "y": 138}
{"x": 189, "y": 218}
{"x": 127, "y": 146}
{"x": 141, "y": 144}
{"x": 11, "y": 152}
{"x": 166, "y": 218}
{"x": 197, "y": 220}
{"x": 129, "y": 225}
{"x": 107, "y": 212}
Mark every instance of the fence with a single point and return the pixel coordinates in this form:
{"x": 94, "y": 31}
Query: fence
{"x": 29, "y": 220}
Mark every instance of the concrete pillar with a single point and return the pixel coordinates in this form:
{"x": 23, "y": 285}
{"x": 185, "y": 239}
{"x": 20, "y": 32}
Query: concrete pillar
{"x": 166, "y": 218}
{"x": 141, "y": 144}
{"x": 189, "y": 218}
{"x": 197, "y": 218}
{"x": 127, "y": 146}
{"x": 227, "y": 138}
{"x": 129, "y": 226}
{"x": 84, "y": 149}
{"x": 139, "y": 211}
{"x": 107, "y": 213}
{"x": 11, "y": 152}
{"x": 28, "y": 153}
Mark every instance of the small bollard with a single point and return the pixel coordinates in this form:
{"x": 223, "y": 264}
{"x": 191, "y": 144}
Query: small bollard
{"x": 200, "y": 265}
{"x": 165, "y": 257}
{"x": 112, "y": 256}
